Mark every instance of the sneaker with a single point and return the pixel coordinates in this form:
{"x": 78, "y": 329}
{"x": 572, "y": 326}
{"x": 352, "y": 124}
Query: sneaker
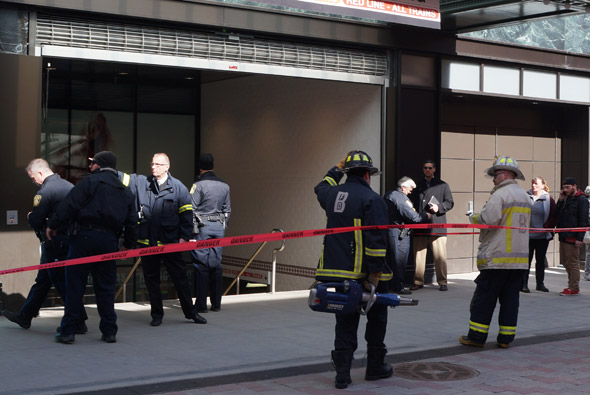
{"x": 466, "y": 341}
{"x": 569, "y": 292}
{"x": 587, "y": 276}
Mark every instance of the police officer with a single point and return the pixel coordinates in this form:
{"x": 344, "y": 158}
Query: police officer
{"x": 100, "y": 207}
{"x": 211, "y": 209}
{"x": 166, "y": 215}
{"x": 401, "y": 211}
{"x": 358, "y": 256}
{"x": 53, "y": 189}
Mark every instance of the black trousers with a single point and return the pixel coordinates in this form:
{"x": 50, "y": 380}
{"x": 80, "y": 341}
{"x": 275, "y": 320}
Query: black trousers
{"x": 347, "y": 328}
{"x": 176, "y": 268}
{"x": 55, "y": 250}
{"x": 537, "y": 247}
{"x": 494, "y": 285}
{"x": 104, "y": 277}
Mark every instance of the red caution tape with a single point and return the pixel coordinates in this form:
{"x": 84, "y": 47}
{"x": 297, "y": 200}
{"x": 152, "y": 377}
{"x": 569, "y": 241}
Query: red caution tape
{"x": 258, "y": 238}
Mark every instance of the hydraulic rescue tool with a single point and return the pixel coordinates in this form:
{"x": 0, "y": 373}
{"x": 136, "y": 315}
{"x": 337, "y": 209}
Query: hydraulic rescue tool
{"x": 349, "y": 297}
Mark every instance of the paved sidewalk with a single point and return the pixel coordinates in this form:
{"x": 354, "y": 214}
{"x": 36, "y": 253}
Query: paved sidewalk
{"x": 262, "y": 337}
{"x": 557, "y": 367}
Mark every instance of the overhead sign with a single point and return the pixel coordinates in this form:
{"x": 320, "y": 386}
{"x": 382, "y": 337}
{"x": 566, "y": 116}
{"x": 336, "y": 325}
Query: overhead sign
{"x": 424, "y": 13}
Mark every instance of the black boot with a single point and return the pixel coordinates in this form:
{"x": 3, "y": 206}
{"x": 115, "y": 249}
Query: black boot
{"x": 376, "y": 368}
{"x": 342, "y": 361}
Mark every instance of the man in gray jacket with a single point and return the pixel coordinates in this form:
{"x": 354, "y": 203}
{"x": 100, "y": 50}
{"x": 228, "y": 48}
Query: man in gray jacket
{"x": 401, "y": 211}
{"x": 211, "y": 209}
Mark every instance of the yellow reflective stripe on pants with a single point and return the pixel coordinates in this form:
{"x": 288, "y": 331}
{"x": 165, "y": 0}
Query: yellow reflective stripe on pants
{"x": 507, "y": 330}
{"x": 474, "y": 326}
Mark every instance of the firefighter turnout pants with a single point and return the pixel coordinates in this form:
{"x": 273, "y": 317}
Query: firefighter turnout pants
{"x": 494, "y": 285}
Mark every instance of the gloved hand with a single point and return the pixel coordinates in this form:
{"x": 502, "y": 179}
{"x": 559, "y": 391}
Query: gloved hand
{"x": 340, "y": 164}
{"x": 372, "y": 278}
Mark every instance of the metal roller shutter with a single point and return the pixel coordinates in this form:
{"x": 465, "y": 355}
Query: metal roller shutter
{"x": 100, "y": 40}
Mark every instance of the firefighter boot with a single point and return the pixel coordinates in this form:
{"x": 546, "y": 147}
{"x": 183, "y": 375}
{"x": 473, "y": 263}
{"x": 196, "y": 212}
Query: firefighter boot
{"x": 376, "y": 368}
{"x": 342, "y": 361}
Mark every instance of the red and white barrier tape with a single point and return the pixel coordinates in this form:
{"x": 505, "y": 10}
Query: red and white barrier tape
{"x": 258, "y": 238}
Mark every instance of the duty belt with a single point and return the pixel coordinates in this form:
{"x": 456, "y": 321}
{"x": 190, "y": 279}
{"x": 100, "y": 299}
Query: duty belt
{"x": 214, "y": 217}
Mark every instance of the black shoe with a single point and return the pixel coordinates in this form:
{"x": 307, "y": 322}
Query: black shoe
{"x": 65, "y": 339}
{"x": 17, "y": 319}
{"x": 444, "y": 287}
{"x": 542, "y": 288}
{"x": 109, "y": 338}
{"x": 403, "y": 292}
{"x": 156, "y": 321}
{"x": 215, "y": 308}
{"x": 525, "y": 289}
{"x": 200, "y": 311}
{"x": 198, "y": 319}
{"x": 416, "y": 287}
{"x": 81, "y": 329}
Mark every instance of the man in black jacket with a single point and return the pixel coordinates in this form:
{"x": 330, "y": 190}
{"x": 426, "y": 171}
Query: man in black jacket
{"x": 572, "y": 212}
{"x": 101, "y": 208}
{"x": 434, "y": 196}
{"x": 53, "y": 189}
{"x": 355, "y": 256}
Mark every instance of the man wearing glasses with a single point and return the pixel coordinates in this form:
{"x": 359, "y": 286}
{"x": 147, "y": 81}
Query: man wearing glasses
{"x": 166, "y": 216}
{"x": 432, "y": 196}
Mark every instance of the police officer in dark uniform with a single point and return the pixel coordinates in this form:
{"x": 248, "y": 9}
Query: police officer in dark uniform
{"x": 53, "y": 189}
{"x": 211, "y": 209}
{"x": 401, "y": 211}
{"x": 166, "y": 216}
{"x": 358, "y": 256}
{"x": 101, "y": 208}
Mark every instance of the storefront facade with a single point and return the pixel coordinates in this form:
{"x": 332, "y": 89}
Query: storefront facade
{"x": 278, "y": 96}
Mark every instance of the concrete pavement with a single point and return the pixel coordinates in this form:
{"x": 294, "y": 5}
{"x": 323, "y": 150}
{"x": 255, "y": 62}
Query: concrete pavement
{"x": 259, "y": 340}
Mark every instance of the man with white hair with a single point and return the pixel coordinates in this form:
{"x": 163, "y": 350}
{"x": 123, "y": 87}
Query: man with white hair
{"x": 52, "y": 190}
{"x": 401, "y": 211}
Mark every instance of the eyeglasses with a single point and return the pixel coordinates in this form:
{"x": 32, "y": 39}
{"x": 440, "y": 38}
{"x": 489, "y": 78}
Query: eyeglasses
{"x": 159, "y": 164}
{"x": 498, "y": 173}
{"x": 428, "y": 167}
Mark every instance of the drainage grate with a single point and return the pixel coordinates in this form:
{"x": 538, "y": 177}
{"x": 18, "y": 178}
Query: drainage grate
{"x": 433, "y": 371}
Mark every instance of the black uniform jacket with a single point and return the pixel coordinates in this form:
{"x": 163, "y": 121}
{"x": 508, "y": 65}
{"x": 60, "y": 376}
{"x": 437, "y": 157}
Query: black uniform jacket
{"x": 352, "y": 255}
{"x": 53, "y": 190}
{"x": 99, "y": 200}
{"x": 167, "y": 211}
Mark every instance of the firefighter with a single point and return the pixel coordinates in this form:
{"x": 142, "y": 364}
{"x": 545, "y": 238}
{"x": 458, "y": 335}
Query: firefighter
{"x": 166, "y": 216}
{"x": 502, "y": 257}
{"x": 358, "y": 256}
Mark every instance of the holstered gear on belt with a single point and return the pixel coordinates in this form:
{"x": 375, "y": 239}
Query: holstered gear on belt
{"x": 197, "y": 223}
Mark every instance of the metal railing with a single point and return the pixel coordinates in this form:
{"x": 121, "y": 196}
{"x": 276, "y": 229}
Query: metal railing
{"x": 254, "y": 255}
